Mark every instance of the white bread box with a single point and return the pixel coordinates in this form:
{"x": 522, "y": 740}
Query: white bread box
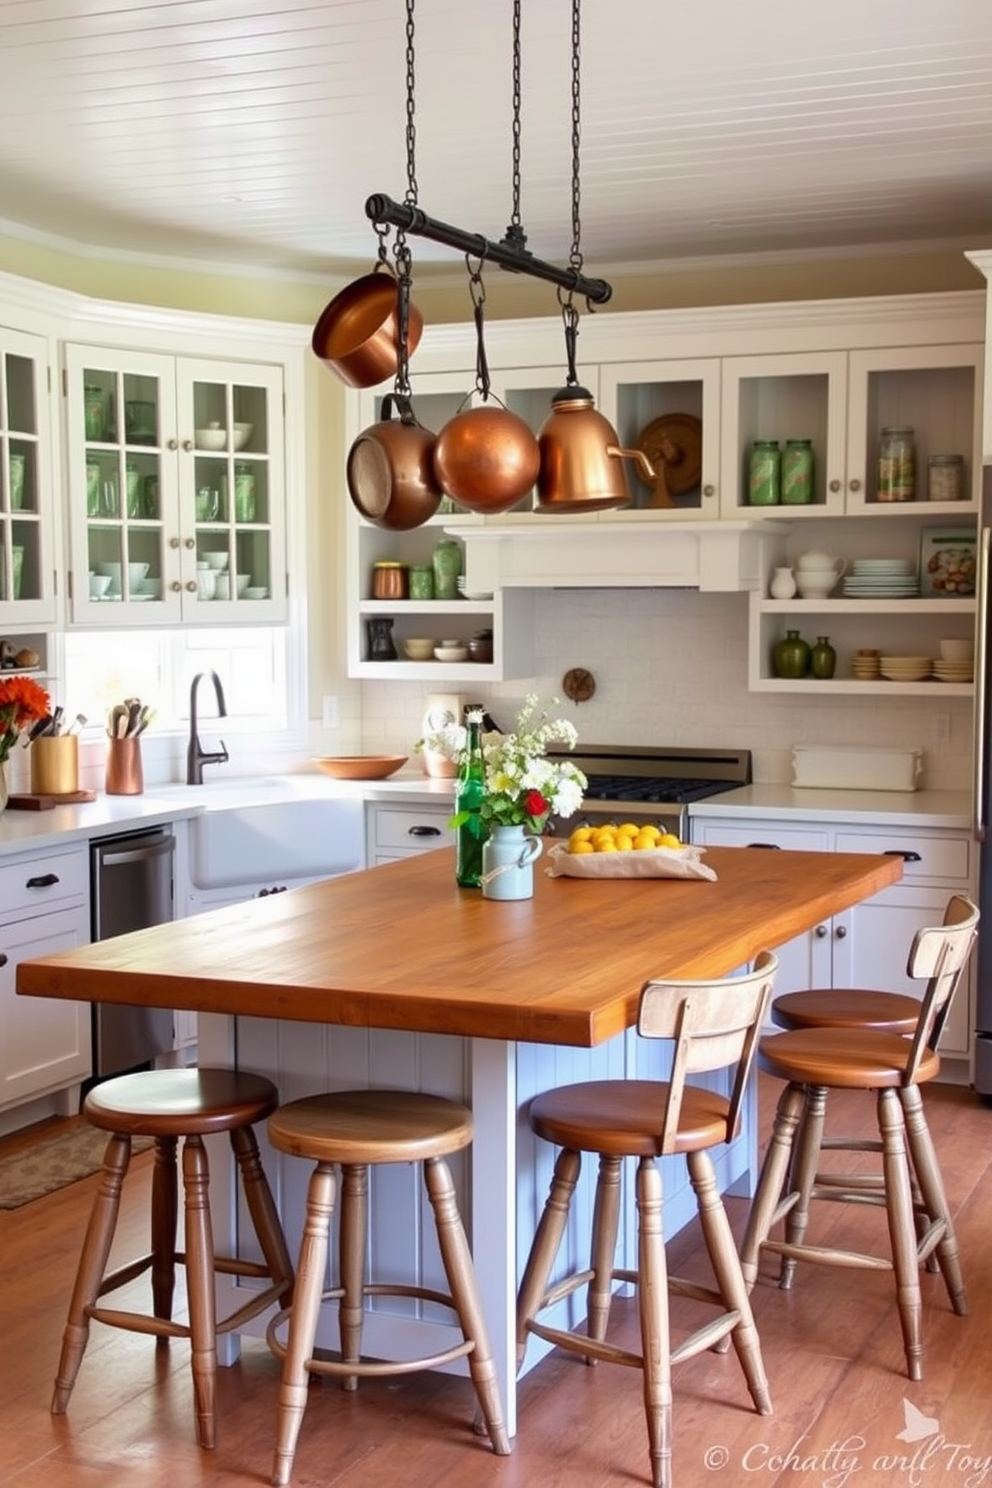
{"x": 857, "y": 767}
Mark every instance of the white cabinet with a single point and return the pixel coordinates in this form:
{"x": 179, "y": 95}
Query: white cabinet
{"x": 402, "y": 831}
{"x": 44, "y": 906}
{"x": 27, "y": 579}
{"x": 867, "y": 946}
{"x": 176, "y": 489}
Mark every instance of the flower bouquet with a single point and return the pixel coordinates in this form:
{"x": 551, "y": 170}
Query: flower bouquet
{"x": 22, "y": 702}
{"x": 522, "y": 785}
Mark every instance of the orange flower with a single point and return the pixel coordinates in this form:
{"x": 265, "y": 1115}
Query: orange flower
{"x": 21, "y": 702}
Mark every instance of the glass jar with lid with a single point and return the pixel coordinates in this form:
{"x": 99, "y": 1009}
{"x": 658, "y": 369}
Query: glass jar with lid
{"x": 390, "y": 580}
{"x": 896, "y": 465}
{"x": 764, "y": 473}
{"x": 945, "y": 478}
{"x": 797, "y": 472}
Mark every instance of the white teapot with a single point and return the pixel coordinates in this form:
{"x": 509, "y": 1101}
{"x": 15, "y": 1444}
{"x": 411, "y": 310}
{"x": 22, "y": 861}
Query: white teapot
{"x": 821, "y": 563}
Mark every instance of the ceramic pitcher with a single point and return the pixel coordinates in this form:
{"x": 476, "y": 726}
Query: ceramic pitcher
{"x": 507, "y": 863}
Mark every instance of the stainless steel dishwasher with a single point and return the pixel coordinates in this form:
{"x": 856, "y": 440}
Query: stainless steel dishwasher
{"x": 131, "y": 887}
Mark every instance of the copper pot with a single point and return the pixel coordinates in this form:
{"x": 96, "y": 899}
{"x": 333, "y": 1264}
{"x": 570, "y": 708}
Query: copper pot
{"x": 581, "y": 460}
{"x": 486, "y": 459}
{"x": 390, "y": 469}
{"x": 357, "y": 333}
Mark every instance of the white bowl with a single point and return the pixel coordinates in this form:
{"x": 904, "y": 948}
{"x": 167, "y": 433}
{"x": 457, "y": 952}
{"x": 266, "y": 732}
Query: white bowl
{"x": 215, "y": 560}
{"x": 135, "y": 573}
{"x": 214, "y": 438}
{"x": 419, "y": 648}
{"x": 815, "y": 585}
{"x": 256, "y": 591}
{"x": 957, "y": 650}
{"x": 99, "y": 584}
{"x": 242, "y": 434}
{"x": 451, "y": 653}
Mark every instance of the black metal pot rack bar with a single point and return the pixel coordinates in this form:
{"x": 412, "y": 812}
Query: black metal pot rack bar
{"x": 383, "y": 210}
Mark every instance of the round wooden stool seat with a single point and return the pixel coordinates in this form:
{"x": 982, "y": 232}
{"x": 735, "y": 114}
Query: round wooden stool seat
{"x": 821, "y": 1007}
{"x": 180, "y": 1102}
{"x": 371, "y": 1126}
{"x": 172, "y": 1105}
{"x": 356, "y": 1130}
{"x": 842, "y": 1058}
{"x": 619, "y": 1118}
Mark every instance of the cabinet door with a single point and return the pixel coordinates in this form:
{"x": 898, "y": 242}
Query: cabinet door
{"x": 786, "y": 396}
{"x": 933, "y": 390}
{"x": 44, "y": 1042}
{"x": 27, "y": 593}
{"x": 123, "y": 486}
{"x": 232, "y": 500}
{"x": 656, "y": 406}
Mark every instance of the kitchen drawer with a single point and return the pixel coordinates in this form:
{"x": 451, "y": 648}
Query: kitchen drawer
{"x": 937, "y": 859}
{"x": 761, "y": 834}
{"x": 34, "y": 884}
{"x": 411, "y": 828}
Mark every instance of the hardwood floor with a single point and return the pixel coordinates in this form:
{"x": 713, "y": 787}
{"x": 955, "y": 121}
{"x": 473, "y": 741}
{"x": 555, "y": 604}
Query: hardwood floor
{"x": 832, "y": 1350}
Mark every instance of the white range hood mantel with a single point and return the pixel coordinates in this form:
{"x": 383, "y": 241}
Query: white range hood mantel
{"x": 563, "y": 552}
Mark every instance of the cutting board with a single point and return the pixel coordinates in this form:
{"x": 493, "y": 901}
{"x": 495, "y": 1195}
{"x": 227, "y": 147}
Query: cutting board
{"x": 36, "y": 802}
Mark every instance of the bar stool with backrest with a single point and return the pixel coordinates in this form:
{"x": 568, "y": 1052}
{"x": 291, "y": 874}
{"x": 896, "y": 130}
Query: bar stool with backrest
{"x": 893, "y": 1065}
{"x": 359, "y": 1129}
{"x": 714, "y": 1025}
{"x": 166, "y": 1105}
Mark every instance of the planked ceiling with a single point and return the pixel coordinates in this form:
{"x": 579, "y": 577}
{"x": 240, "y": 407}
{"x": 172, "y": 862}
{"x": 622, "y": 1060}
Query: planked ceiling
{"x": 250, "y": 132}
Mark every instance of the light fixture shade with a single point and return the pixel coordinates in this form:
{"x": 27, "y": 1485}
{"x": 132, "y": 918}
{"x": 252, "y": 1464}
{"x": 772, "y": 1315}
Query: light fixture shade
{"x": 581, "y": 460}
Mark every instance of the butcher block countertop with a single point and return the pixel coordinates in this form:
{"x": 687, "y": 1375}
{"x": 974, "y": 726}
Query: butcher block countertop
{"x": 400, "y": 946}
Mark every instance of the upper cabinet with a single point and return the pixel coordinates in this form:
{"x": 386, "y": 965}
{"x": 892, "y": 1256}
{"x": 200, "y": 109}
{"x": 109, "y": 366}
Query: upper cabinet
{"x": 27, "y": 587}
{"x": 176, "y": 489}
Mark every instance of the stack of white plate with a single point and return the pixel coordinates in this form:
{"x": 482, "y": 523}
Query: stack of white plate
{"x": 881, "y": 578}
{"x": 905, "y": 668}
{"x": 954, "y": 671}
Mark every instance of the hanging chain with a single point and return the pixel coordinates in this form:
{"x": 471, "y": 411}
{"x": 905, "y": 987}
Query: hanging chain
{"x": 401, "y": 251}
{"x": 515, "y": 233}
{"x": 575, "y": 257}
{"x": 411, "y": 129}
{"x": 477, "y": 291}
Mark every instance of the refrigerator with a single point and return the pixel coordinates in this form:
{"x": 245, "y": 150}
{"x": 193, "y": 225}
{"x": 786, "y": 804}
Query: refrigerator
{"x": 983, "y": 793}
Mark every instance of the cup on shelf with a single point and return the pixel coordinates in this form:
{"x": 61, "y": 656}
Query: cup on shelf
{"x": 957, "y": 649}
{"x": 206, "y": 582}
{"x": 242, "y": 581}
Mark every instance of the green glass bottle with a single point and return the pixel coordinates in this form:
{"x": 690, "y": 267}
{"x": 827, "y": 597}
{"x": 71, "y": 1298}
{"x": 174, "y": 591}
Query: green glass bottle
{"x": 469, "y": 793}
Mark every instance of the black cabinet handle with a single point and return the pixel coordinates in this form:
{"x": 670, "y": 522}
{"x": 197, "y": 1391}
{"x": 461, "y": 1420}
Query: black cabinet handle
{"x": 276, "y": 889}
{"x": 3, "y": 958}
{"x": 43, "y": 881}
{"x": 769, "y": 846}
{"x": 899, "y": 852}
{"x": 424, "y": 832}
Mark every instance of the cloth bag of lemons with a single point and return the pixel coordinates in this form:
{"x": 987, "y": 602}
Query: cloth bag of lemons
{"x": 626, "y": 850}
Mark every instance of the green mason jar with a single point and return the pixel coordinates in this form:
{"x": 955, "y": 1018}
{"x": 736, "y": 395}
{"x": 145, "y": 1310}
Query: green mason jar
{"x": 797, "y": 472}
{"x": 421, "y": 581}
{"x": 244, "y": 493}
{"x": 447, "y": 565}
{"x": 764, "y": 473}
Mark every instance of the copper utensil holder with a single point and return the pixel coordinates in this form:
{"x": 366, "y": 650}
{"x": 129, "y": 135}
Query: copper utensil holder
{"x": 124, "y": 773}
{"x": 55, "y": 765}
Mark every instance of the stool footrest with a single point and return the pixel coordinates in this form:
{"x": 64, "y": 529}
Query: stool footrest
{"x": 820, "y": 1256}
{"x": 590, "y": 1348}
{"x": 704, "y": 1338}
{"x": 370, "y": 1368}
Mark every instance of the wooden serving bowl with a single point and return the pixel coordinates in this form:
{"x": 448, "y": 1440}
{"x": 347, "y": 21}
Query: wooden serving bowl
{"x": 361, "y": 766}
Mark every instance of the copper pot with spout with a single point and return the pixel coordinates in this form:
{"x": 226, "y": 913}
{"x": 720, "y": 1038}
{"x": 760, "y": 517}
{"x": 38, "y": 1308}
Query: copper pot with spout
{"x": 581, "y": 459}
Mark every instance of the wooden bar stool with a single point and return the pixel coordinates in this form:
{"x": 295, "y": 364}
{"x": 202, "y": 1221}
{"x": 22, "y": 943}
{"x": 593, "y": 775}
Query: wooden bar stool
{"x": 714, "y": 1025}
{"x": 359, "y": 1129}
{"x": 814, "y": 1060}
{"x": 169, "y": 1104}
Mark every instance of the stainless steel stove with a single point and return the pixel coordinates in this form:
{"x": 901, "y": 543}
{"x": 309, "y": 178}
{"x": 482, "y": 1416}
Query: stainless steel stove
{"x": 647, "y": 784}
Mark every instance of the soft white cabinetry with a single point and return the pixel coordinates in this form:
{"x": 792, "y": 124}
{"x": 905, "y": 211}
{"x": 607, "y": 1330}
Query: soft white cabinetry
{"x": 867, "y": 946}
{"x": 402, "y": 831}
{"x": 173, "y": 461}
{"x": 44, "y": 906}
{"x": 27, "y": 579}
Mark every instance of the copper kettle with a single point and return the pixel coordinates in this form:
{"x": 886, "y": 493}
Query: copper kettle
{"x": 581, "y": 460}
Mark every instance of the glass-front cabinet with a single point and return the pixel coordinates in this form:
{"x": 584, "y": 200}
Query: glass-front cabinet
{"x": 176, "y": 489}
{"x": 27, "y": 591}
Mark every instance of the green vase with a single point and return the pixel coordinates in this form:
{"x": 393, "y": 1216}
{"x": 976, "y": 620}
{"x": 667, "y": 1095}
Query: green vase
{"x": 823, "y": 658}
{"x": 791, "y": 656}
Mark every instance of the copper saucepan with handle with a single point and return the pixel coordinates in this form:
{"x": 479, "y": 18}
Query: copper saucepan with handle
{"x": 390, "y": 469}
{"x": 357, "y": 334}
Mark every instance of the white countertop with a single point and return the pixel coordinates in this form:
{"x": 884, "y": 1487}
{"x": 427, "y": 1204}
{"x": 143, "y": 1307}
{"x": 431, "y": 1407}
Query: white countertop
{"x": 923, "y": 808}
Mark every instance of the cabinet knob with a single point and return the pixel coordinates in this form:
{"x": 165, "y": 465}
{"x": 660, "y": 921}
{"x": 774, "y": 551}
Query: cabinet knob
{"x": 190, "y": 542}
{"x": 709, "y": 490}
{"x": 3, "y": 958}
{"x": 855, "y": 484}
{"x": 187, "y": 444}
{"x": 172, "y": 444}
{"x": 43, "y": 881}
{"x": 191, "y": 586}
{"x": 820, "y": 932}
{"x": 834, "y": 485}
{"x": 175, "y": 586}
{"x": 173, "y": 542}
{"x": 841, "y": 932}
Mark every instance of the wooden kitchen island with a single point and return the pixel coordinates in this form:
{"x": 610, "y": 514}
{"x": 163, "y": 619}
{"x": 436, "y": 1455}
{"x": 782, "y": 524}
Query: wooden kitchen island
{"x": 395, "y": 977}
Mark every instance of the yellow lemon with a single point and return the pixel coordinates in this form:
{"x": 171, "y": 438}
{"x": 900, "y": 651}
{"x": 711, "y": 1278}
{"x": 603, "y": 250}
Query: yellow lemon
{"x": 582, "y": 846}
{"x": 606, "y": 844}
{"x": 624, "y": 842}
{"x": 581, "y": 834}
{"x": 650, "y": 830}
{"x": 642, "y": 842}
{"x": 628, "y": 829}
{"x": 600, "y": 834}
{"x": 669, "y": 840}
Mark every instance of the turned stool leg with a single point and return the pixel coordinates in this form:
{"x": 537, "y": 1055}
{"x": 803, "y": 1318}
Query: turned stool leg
{"x": 303, "y": 1320}
{"x": 200, "y": 1287}
{"x": 92, "y": 1267}
{"x": 772, "y": 1180}
{"x": 605, "y": 1223}
{"x": 806, "y": 1160}
{"x": 165, "y": 1212}
{"x": 932, "y": 1192}
{"x": 351, "y": 1261}
{"x": 547, "y": 1239}
{"x": 261, "y": 1207}
{"x": 652, "y": 1302}
{"x": 460, "y": 1272}
{"x": 902, "y": 1230}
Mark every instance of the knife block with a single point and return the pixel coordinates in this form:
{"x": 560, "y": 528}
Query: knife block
{"x": 124, "y": 773}
{"x": 55, "y": 765}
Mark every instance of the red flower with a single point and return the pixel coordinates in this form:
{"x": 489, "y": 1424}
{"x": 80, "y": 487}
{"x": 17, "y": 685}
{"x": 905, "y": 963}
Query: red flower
{"x": 535, "y": 804}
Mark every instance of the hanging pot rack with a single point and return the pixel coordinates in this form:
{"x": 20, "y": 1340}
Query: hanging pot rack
{"x": 383, "y": 210}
